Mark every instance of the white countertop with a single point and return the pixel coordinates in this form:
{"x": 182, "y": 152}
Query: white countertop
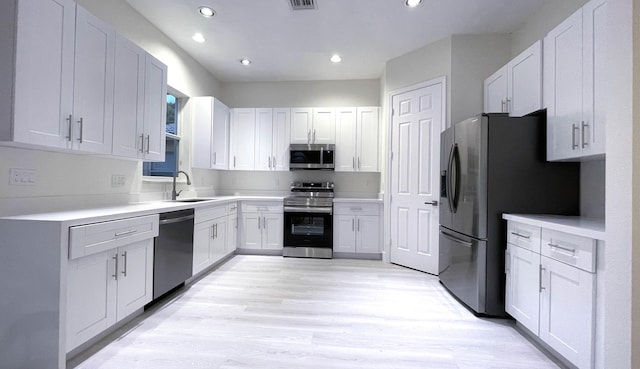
{"x": 93, "y": 215}
{"x": 374, "y": 200}
{"x": 581, "y": 226}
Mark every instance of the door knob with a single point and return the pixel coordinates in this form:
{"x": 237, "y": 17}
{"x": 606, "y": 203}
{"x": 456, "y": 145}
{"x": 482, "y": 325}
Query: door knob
{"x": 434, "y": 203}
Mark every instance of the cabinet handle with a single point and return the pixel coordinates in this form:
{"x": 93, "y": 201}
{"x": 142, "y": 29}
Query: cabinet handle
{"x": 81, "y": 123}
{"x": 502, "y": 109}
{"x": 557, "y": 246}
{"x": 358, "y": 224}
{"x": 213, "y": 232}
{"x": 540, "y": 275}
{"x": 125, "y": 233}
{"x": 273, "y": 162}
{"x": 142, "y": 144}
{"x": 353, "y": 224}
{"x": 520, "y": 235}
{"x": 264, "y": 222}
{"x": 359, "y": 167}
{"x": 574, "y": 128}
{"x": 124, "y": 269}
{"x": 259, "y": 219}
{"x": 585, "y": 143}
{"x": 115, "y": 268}
{"x": 234, "y": 161}
{"x": 314, "y": 135}
{"x": 216, "y": 230}
{"x": 308, "y": 136}
{"x": 69, "y": 120}
{"x": 215, "y": 161}
{"x": 148, "y": 143}
{"x": 269, "y": 162}
{"x": 508, "y": 105}
{"x": 353, "y": 162}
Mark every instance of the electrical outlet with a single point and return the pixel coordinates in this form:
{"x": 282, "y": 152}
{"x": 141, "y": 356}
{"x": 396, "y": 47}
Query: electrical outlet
{"x": 22, "y": 177}
{"x": 118, "y": 180}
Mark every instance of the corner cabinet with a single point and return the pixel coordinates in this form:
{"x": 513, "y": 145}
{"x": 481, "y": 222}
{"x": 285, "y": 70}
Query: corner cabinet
{"x": 551, "y": 288}
{"x": 516, "y": 88}
{"x": 357, "y": 139}
{"x": 210, "y": 133}
{"x": 574, "y": 84}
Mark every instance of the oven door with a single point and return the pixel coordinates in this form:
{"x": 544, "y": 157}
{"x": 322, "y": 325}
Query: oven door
{"x": 308, "y": 227}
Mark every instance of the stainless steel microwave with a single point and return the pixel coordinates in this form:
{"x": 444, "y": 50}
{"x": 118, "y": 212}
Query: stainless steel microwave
{"x": 318, "y": 157}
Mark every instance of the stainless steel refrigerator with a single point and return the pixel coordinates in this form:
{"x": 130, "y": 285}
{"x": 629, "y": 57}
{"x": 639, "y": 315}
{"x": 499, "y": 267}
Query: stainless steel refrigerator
{"x": 493, "y": 164}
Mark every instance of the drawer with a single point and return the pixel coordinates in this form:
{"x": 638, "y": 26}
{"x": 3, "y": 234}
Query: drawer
{"x": 570, "y": 249}
{"x": 262, "y": 207}
{"x": 206, "y": 214}
{"x": 359, "y": 208}
{"x": 524, "y": 235}
{"x": 94, "y": 238}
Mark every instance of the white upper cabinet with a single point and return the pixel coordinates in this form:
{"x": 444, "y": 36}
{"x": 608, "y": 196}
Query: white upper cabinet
{"x": 357, "y": 139}
{"x": 155, "y": 109}
{"x": 210, "y": 133}
{"x": 92, "y": 119}
{"x": 574, "y": 72}
{"x": 517, "y": 87}
{"x": 43, "y": 66}
{"x": 272, "y": 139}
{"x": 242, "y": 145}
{"x": 313, "y": 126}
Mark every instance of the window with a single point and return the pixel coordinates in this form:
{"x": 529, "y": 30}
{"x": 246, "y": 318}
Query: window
{"x": 169, "y": 167}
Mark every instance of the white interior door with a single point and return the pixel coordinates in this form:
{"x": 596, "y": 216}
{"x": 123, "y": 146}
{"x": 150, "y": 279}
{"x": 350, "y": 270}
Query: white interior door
{"x": 417, "y": 121}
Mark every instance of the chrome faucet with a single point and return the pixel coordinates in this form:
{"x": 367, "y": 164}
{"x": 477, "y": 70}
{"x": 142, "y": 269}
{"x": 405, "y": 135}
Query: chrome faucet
{"x": 175, "y": 194}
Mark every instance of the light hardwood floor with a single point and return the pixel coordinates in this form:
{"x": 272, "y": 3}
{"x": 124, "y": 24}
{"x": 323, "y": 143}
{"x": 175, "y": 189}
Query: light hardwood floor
{"x": 274, "y": 312}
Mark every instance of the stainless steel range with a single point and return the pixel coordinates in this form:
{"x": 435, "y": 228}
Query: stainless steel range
{"x": 308, "y": 220}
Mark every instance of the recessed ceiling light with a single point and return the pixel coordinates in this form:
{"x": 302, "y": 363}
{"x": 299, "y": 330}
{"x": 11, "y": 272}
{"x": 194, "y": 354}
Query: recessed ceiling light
{"x": 413, "y": 3}
{"x": 199, "y": 38}
{"x": 245, "y": 61}
{"x": 336, "y": 58}
{"x": 206, "y": 11}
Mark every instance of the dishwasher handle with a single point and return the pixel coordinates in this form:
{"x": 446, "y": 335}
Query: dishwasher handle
{"x": 176, "y": 220}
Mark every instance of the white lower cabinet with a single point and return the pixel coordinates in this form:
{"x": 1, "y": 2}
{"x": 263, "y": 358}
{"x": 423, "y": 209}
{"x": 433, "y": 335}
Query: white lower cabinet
{"x": 232, "y": 228}
{"x": 107, "y": 286}
{"x": 551, "y": 288}
{"x": 209, "y": 237}
{"x": 261, "y": 226}
{"x": 356, "y": 228}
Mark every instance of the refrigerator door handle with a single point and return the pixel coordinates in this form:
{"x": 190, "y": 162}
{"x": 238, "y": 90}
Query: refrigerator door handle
{"x": 448, "y": 180}
{"x": 454, "y": 178}
{"x": 455, "y": 239}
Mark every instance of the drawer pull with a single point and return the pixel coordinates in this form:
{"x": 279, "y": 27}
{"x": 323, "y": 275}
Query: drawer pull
{"x": 556, "y": 246}
{"x": 131, "y": 231}
{"x": 521, "y": 235}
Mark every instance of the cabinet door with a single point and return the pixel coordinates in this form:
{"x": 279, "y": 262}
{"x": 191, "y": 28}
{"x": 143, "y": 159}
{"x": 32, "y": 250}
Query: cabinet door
{"x": 567, "y": 311}
{"x": 524, "y": 82}
{"x": 324, "y": 126}
{"x": 522, "y": 294}
{"x": 368, "y": 234}
{"x": 91, "y": 296}
{"x": 232, "y": 234}
{"x": 155, "y": 112}
{"x": 367, "y": 142}
{"x": 43, "y": 99}
{"x": 563, "y": 87}
{"x": 595, "y": 69}
{"x": 202, "y": 132}
{"x": 251, "y": 232}
{"x": 344, "y": 233}
{"x": 202, "y": 240}
{"x": 219, "y": 246}
{"x": 272, "y": 231}
{"x": 301, "y": 122}
{"x": 220, "y": 140}
{"x": 93, "y": 84}
{"x": 128, "y": 99}
{"x": 243, "y": 139}
{"x": 495, "y": 92}
{"x": 135, "y": 277}
{"x": 264, "y": 139}
{"x": 281, "y": 136}
{"x": 346, "y": 137}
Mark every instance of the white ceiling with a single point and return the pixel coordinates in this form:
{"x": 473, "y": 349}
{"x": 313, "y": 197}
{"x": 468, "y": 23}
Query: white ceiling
{"x": 287, "y": 45}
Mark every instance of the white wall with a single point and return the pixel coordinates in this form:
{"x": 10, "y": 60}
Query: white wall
{"x": 301, "y": 94}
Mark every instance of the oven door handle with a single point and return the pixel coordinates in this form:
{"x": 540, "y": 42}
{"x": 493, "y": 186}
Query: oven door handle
{"x": 323, "y": 210}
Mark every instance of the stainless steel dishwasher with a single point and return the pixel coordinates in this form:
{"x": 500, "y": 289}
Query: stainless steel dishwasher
{"x": 173, "y": 251}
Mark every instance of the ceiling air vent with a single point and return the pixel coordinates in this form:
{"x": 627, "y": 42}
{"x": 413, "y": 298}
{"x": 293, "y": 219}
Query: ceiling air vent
{"x": 302, "y": 4}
